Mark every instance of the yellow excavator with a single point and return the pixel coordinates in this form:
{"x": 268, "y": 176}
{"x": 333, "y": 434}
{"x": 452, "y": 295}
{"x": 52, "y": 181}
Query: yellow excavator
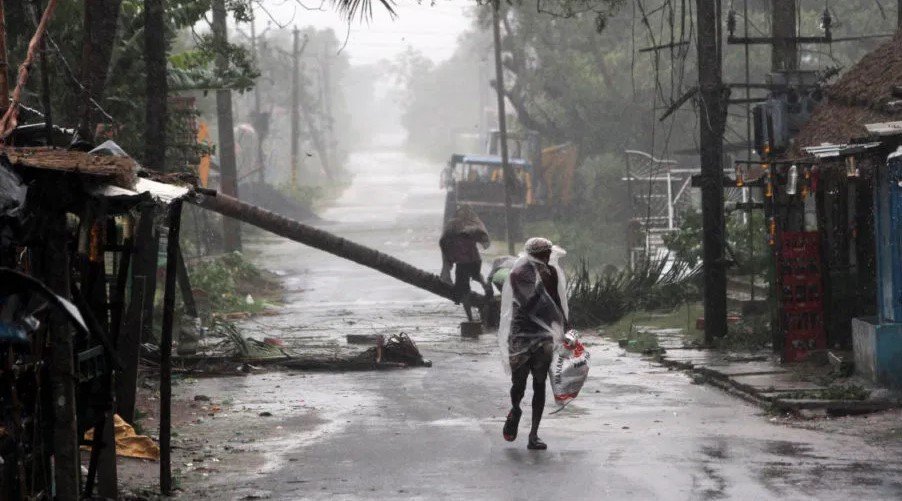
{"x": 553, "y": 167}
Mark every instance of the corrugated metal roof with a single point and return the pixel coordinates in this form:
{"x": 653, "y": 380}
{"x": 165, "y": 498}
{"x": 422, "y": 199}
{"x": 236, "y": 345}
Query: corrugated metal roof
{"x": 884, "y": 128}
{"x": 160, "y": 192}
{"x": 838, "y": 150}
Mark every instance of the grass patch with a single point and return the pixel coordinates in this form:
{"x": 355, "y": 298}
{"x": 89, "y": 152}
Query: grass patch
{"x": 227, "y": 280}
{"x": 838, "y": 392}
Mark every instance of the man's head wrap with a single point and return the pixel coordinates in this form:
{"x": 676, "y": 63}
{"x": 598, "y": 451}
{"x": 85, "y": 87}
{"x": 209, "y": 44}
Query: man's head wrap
{"x": 536, "y": 245}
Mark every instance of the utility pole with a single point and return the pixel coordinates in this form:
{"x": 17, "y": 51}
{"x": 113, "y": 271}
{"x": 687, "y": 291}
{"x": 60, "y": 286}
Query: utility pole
{"x": 502, "y": 126}
{"x": 231, "y": 229}
{"x": 711, "y": 124}
{"x": 155, "y": 61}
{"x": 327, "y": 98}
{"x": 295, "y": 113}
{"x": 259, "y": 125}
{"x": 785, "y": 49}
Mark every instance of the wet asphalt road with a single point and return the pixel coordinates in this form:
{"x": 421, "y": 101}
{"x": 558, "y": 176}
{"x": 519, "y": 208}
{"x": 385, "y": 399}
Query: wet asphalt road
{"x": 638, "y": 431}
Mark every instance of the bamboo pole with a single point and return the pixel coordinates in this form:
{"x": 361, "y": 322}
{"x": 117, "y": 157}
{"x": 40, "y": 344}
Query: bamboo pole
{"x": 172, "y": 250}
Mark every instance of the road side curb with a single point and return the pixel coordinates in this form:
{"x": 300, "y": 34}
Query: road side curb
{"x": 796, "y": 407}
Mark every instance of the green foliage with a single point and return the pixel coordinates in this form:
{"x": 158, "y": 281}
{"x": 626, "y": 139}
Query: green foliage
{"x": 641, "y": 341}
{"x": 228, "y": 280}
{"x": 836, "y": 392}
{"x": 653, "y": 285}
{"x": 746, "y": 241}
{"x": 750, "y": 333}
{"x": 195, "y": 69}
{"x": 124, "y": 93}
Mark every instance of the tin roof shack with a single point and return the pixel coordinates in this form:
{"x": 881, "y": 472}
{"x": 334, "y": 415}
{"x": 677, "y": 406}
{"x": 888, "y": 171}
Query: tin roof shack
{"x": 66, "y": 220}
{"x": 824, "y": 198}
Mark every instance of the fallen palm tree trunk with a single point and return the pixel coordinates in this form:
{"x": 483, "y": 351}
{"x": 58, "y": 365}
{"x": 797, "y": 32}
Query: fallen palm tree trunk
{"x": 328, "y": 242}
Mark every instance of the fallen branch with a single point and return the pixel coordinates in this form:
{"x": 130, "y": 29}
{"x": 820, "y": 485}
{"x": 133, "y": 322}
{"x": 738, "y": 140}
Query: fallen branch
{"x": 10, "y": 118}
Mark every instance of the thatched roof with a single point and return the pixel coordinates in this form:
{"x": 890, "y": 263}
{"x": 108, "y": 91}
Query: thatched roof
{"x": 864, "y": 94}
{"x": 120, "y": 171}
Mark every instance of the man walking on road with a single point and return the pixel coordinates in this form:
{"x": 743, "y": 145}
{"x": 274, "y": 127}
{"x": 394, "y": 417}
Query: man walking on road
{"x": 458, "y": 244}
{"x": 534, "y": 314}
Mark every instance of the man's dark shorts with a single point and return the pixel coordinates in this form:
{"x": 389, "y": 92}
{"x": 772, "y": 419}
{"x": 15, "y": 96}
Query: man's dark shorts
{"x": 531, "y": 352}
{"x": 463, "y": 272}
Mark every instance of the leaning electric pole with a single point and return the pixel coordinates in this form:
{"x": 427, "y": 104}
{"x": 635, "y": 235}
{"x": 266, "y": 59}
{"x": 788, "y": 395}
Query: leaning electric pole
{"x": 712, "y": 116}
{"x": 502, "y": 127}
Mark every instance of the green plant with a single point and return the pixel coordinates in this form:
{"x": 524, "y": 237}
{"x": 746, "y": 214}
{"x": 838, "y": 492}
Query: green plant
{"x": 657, "y": 284}
{"x": 750, "y": 333}
{"x": 228, "y": 280}
{"x": 838, "y": 392}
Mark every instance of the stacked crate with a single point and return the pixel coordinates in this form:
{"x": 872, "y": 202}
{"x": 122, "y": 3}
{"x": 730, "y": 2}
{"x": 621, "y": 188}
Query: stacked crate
{"x": 801, "y": 295}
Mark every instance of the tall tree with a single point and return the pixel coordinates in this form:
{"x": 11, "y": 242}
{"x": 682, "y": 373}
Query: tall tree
{"x": 101, "y": 18}
{"x": 231, "y": 228}
{"x": 155, "y": 62}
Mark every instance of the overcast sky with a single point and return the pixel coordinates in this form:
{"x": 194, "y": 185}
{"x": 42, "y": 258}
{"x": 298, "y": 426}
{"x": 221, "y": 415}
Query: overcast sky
{"x": 430, "y": 26}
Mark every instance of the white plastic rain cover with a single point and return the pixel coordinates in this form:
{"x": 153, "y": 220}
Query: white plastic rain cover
{"x": 545, "y": 312}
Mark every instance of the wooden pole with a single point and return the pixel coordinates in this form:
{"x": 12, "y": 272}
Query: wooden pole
{"x": 502, "y": 126}
{"x": 55, "y": 273}
{"x": 785, "y": 50}
{"x": 172, "y": 250}
{"x": 712, "y": 120}
{"x": 295, "y": 112}
{"x": 231, "y": 230}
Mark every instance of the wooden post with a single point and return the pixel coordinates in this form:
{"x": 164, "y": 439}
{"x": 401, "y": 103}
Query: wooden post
{"x": 711, "y": 123}
{"x": 502, "y": 126}
{"x": 172, "y": 250}
{"x": 231, "y": 230}
{"x": 785, "y": 50}
{"x": 55, "y": 273}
